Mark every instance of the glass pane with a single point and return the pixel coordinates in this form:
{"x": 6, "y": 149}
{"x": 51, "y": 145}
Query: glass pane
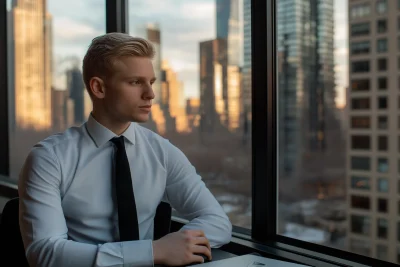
{"x": 203, "y": 101}
{"x": 47, "y": 41}
{"x": 338, "y": 121}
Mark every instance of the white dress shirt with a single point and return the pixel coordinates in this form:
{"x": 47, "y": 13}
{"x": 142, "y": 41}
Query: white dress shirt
{"x": 68, "y": 211}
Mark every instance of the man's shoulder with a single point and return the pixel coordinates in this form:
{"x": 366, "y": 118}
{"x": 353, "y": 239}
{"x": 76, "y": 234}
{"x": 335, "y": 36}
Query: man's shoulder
{"x": 148, "y": 135}
{"x": 69, "y": 136}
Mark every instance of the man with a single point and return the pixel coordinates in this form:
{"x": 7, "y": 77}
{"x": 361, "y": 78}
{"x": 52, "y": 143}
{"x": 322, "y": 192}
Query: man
{"x": 76, "y": 186}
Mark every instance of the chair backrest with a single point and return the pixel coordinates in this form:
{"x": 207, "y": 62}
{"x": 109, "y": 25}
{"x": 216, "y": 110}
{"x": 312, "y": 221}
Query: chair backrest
{"x": 12, "y": 247}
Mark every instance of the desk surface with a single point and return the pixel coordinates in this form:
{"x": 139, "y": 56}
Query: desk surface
{"x": 217, "y": 254}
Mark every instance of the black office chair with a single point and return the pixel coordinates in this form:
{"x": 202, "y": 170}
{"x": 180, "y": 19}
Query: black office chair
{"x": 12, "y": 248}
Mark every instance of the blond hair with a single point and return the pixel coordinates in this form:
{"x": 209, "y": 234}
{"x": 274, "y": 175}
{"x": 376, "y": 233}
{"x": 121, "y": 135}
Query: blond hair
{"x": 106, "y": 49}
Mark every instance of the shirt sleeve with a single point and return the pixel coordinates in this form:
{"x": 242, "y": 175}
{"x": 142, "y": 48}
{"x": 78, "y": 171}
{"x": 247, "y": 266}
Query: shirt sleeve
{"x": 188, "y": 194}
{"x": 44, "y": 229}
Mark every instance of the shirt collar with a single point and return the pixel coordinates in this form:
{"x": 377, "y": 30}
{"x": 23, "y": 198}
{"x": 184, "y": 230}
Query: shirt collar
{"x": 101, "y": 135}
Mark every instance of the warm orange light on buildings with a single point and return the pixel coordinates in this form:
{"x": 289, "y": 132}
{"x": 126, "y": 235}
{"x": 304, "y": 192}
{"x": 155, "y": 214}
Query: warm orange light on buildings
{"x": 32, "y": 65}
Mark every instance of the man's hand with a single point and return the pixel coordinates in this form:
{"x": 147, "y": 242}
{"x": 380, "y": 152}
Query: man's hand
{"x": 179, "y": 248}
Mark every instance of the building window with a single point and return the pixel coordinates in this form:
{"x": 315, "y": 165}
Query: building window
{"x": 382, "y": 64}
{"x": 381, "y": 6}
{"x": 360, "y": 66}
{"x": 360, "y": 11}
{"x": 382, "y": 205}
{"x": 383, "y": 185}
{"x": 381, "y": 25}
{"x": 382, "y": 45}
{"x": 382, "y": 228}
{"x": 359, "y": 29}
{"x": 382, "y": 102}
{"x": 360, "y": 163}
{"x": 360, "y": 224}
{"x": 398, "y": 207}
{"x": 360, "y": 85}
{"x": 398, "y": 141}
{"x": 383, "y": 165}
{"x": 382, "y": 83}
{"x": 360, "y": 247}
{"x": 362, "y": 183}
{"x": 358, "y": 48}
{"x": 382, "y": 123}
{"x": 360, "y": 122}
{"x": 361, "y": 142}
{"x": 360, "y": 103}
{"x": 382, "y": 252}
{"x": 382, "y": 143}
{"x": 360, "y": 202}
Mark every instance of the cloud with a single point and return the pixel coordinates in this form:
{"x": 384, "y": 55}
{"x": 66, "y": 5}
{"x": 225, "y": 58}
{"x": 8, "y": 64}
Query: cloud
{"x": 67, "y": 29}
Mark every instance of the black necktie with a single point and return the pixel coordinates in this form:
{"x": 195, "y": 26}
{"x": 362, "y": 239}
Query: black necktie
{"x": 127, "y": 216}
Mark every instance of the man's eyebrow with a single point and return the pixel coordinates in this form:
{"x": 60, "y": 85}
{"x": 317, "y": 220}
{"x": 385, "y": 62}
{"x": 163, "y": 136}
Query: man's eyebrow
{"x": 140, "y": 77}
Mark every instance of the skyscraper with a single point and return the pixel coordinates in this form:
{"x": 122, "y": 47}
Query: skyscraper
{"x": 31, "y": 75}
{"x": 373, "y": 113}
{"x": 153, "y": 34}
{"x": 306, "y": 89}
{"x": 75, "y": 88}
{"x": 213, "y": 83}
{"x": 228, "y": 27}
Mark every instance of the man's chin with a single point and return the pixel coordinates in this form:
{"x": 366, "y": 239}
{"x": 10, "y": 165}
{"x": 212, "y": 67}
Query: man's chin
{"x": 141, "y": 119}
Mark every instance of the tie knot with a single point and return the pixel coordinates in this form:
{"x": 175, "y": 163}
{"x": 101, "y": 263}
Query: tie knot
{"x": 118, "y": 141}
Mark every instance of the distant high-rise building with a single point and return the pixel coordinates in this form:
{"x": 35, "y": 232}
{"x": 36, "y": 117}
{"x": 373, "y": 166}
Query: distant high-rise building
{"x": 228, "y": 27}
{"x": 213, "y": 84}
{"x": 76, "y": 89}
{"x": 153, "y": 34}
{"x": 172, "y": 92}
{"x": 373, "y": 164}
{"x": 305, "y": 79}
{"x": 31, "y": 63}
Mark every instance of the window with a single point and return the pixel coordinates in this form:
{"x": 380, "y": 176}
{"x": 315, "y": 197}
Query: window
{"x": 382, "y": 123}
{"x": 361, "y": 142}
{"x": 382, "y": 143}
{"x": 381, "y": 25}
{"x": 382, "y": 83}
{"x": 360, "y": 224}
{"x": 360, "y": 85}
{"x": 382, "y": 252}
{"x": 360, "y": 202}
{"x": 360, "y": 163}
{"x": 382, "y": 102}
{"x": 383, "y": 165}
{"x": 358, "y": 48}
{"x": 398, "y": 231}
{"x": 360, "y": 122}
{"x": 382, "y": 205}
{"x": 47, "y": 94}
{"x": 382, "y": 64}
{"x": 381, "y": 6}
{"x": 360, "y": 66}
{"x": 361, "y": 183}
{"x": 360, "y": 103}
{"x": 382, "y": 228}
{"x": 360, "y": 29}
{"x": 203, "y": 90}
{"x": 383, "y": 185}
{"x": 360, "y": 247}
{"x": 382, "y": 45}
{"x": 360, "y": 11}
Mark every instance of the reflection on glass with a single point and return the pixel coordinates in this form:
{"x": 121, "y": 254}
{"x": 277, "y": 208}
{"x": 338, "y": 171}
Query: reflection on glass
{"x": 338, "y": 98}
{"x": 203, "y": 100}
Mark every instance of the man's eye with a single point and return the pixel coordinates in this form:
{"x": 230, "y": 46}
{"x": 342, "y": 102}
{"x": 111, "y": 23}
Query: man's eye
{"x": 135, "y": 82}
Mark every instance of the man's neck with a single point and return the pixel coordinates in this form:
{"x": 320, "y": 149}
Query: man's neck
{"x": 113, "y": 125}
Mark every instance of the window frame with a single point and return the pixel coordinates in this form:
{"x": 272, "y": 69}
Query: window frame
{"x": 263, "y": 237}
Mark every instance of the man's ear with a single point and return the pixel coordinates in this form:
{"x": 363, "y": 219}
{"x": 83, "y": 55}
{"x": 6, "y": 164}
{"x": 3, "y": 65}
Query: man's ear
{"x": 97, "y": 87}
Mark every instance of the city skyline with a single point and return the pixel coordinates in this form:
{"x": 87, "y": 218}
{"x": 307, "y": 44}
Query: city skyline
{"x": 180, "y": 39}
